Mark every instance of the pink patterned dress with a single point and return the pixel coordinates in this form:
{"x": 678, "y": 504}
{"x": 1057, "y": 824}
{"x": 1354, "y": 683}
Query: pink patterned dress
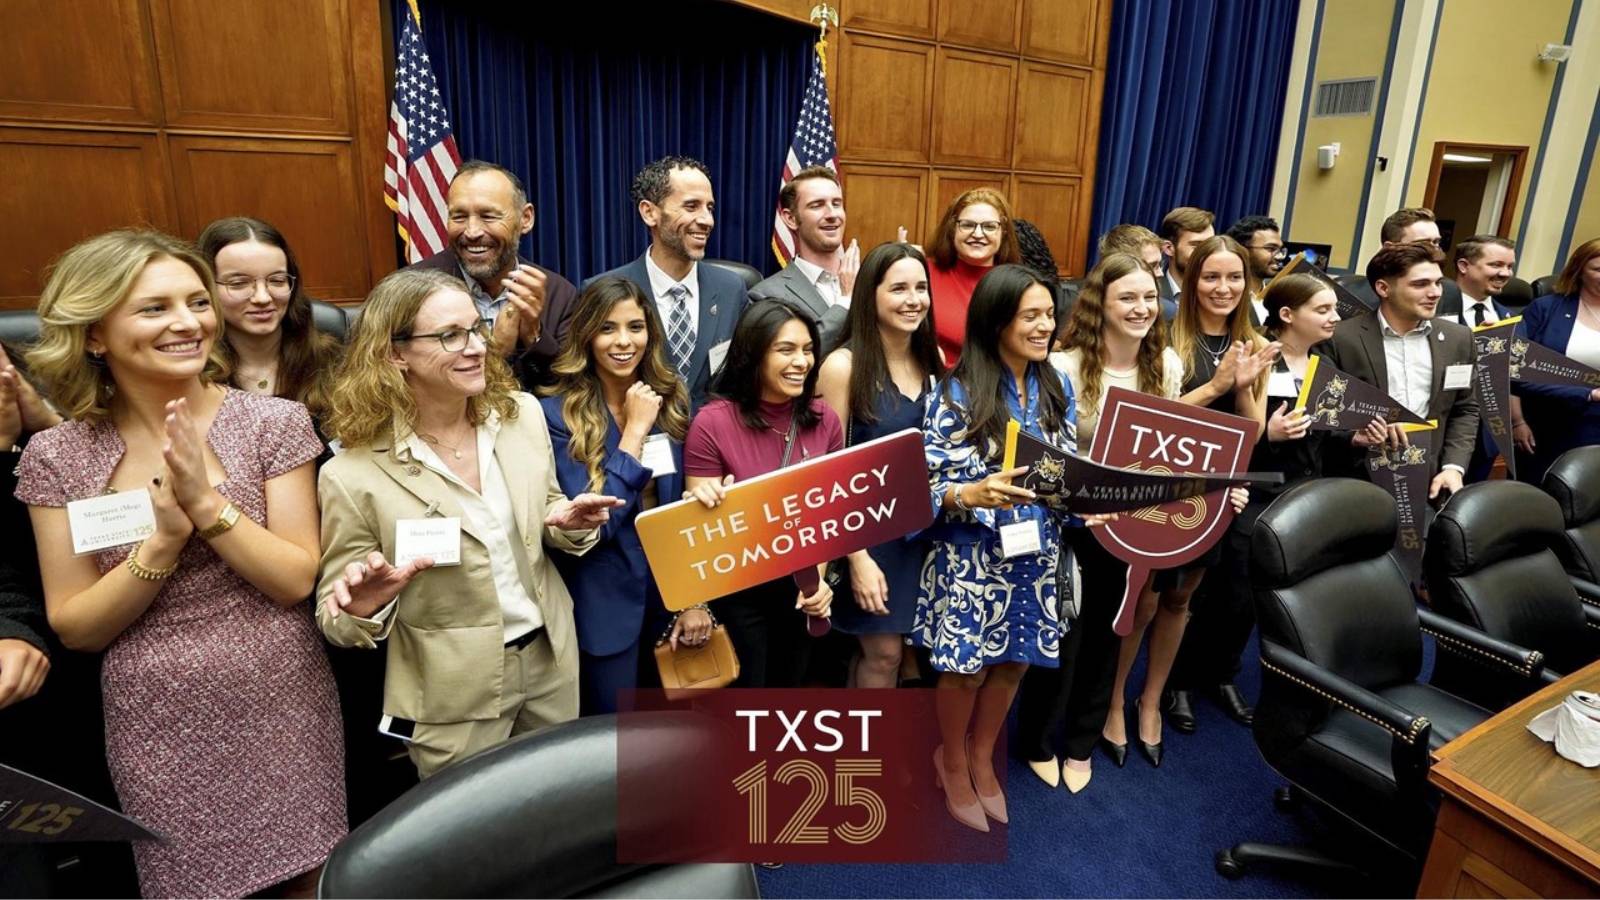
{"x": 222, "y": 722}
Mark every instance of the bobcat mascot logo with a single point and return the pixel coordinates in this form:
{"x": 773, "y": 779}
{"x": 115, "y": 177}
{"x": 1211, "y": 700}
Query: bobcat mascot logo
{"x": 1330, "y": 403}
{"x": 1519, "y": 349}
{"x": 1490, "y": 346}
{"x": 1044, "y": 478}
{"x": 1410, "y": 455}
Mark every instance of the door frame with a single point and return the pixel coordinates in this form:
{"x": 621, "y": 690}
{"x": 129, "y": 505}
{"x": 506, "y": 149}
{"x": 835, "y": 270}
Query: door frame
{"x": 1519, "y": 165}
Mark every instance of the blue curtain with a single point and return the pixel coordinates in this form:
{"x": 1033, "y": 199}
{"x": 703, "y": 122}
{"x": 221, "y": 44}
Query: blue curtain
{"x": 1193, "y": 104}
{"x": 577, "y": 102}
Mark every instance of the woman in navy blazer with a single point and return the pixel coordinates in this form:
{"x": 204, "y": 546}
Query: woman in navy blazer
{"x": 1557, "y": 418}
{"x": 617, "y": 414}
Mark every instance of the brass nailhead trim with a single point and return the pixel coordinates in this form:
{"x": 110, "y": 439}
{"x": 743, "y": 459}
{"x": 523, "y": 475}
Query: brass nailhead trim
{"x": 1534, "y": 656}
{"x": 1417, "y": 724}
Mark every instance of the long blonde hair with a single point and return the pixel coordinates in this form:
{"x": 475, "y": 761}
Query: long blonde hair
{"x": 584, "y": 404}
{"x": 370, "y": 397}
{"x": 86, "y": 284}
{"x": 1186, "y": 326}
{"x": 1086, "y": 331}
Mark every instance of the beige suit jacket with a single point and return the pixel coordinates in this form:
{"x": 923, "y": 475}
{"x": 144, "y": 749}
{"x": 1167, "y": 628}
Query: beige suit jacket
{"x": 445, "y": 634}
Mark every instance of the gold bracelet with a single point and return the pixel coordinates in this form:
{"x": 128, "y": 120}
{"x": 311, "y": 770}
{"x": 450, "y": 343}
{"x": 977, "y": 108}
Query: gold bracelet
{"x": 144, "y": 572}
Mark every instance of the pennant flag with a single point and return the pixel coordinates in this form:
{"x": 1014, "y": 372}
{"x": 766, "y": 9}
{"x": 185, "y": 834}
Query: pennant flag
{"x": 422, "y": 149}
{"x": 1405, "y": 473}
{"x": 1348, "y": 304}
{"x": 1537, "y": 364}
{"x": 1338, "y": 401}
{"x": 1068, "y": 483}
{"x": 1492, "y": 381}
{"x": 813, "y": 145}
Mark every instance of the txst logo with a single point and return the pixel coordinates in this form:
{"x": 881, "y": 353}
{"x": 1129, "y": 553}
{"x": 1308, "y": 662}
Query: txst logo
{"x": 787, "y": 776}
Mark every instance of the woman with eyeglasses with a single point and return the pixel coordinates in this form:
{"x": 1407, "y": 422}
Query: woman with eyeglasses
{"x": 975, "y": 234}
{"x": 269, "y": 345}
{"x": 221, "y": 722}
{"x": 434, "y": 521}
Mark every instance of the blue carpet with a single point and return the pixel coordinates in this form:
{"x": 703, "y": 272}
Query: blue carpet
{"x": 1133, "y": 832}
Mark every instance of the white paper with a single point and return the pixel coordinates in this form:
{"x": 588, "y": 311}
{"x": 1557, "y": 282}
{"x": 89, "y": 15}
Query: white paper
{"x": 1574, "y": 728}
{"x": 1020, "y": 538}
{"x": 110, "y": 520}
{"x": 436, "y": 537}
{"x": 716, "y": 355}
{"x": 1282, "y": 384}
{"x": 1457, "y": 377}
{"x": 657, "y": 455}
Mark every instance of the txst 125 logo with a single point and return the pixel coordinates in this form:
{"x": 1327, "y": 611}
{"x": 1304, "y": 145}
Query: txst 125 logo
{"x": 787, "y": 776}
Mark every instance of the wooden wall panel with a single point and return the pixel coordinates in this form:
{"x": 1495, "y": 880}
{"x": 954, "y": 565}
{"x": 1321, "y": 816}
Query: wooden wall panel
{"x": 308, "y": 189}
{"x": 891, "y": 83}
{"x": 279, "y": 65}
{"x": 903, "y": 17}
{"x": 883, "y": 199}
{"x": 974, "y": 98}
{"x": 63, "y": 186}
{"x": 1053, "y": 205}
{"x": 990, "y": 24}
{"x": 1052, "y": 118}
{"x": 1067, "y": 32}
{"x": 86, "y": 60}
{"x": 1012, "y": 100}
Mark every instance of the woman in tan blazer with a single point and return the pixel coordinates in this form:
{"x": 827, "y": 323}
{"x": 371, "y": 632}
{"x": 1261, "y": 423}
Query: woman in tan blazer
{"x": 434, "y": 433}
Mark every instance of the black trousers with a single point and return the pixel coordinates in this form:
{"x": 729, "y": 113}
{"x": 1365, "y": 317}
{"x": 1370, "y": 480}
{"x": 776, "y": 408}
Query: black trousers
{"x": 768, "y": 633}
{"x": 1069, "y": 704}
{"x": 1223, "y": 612}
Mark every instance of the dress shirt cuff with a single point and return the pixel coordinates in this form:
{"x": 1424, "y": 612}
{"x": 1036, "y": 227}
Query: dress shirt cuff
{"x": 1459, "y": 470}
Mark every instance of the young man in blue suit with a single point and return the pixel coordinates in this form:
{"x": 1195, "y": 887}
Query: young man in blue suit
{"x": 698, "y": 304}
{"x": 1483, "y": 264}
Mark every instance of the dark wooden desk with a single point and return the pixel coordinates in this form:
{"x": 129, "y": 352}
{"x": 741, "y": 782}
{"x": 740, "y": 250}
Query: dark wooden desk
{"x": 1516, "y": 819}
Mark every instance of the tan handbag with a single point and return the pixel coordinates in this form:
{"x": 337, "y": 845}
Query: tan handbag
{"x": 710, "y": 665}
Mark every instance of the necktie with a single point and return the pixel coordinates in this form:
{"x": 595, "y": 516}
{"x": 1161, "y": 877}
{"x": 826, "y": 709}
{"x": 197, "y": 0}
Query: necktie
{"x": 1479, "y": 312}
{"x": 680, "y": 329}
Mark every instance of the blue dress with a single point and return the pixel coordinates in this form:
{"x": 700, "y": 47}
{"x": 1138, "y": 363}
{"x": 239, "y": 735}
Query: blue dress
{"x": 977, "y": 608}
{"x": 901, "y": 560}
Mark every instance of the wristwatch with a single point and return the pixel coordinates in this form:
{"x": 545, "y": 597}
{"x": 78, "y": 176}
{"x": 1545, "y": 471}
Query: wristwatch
{"x": 225, "y": 520}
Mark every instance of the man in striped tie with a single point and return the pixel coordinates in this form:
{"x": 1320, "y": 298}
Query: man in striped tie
{"x": 528, "y": 305}
{"x": 698, "y": 304}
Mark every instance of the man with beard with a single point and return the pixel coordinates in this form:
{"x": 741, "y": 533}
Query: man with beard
{"x": 1408, "y": 225}
{"x": 1182, "y": 230}
{"x": 698, "y": 304}
{"x": 527, "y": 304}
{"x": 819, "y": 279}
{"x": 1484, "y": 263}
{"x": 1260, "y": 236}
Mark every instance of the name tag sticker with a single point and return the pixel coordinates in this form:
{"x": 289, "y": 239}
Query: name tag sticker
{"x": 1020, "y": 538}
{"x": 657, "y": 456}
{"x": 436, "y": 537}
{"x": 1282, "y": 384}
{"x": 110, "y": 520}
{"x": 1457, "y": 377}
{"x": 716, "y": 355}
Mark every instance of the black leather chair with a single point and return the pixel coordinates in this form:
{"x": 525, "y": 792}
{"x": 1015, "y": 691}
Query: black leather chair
{"x": 1574, "y": 481}
{"x": 1516, "y": 295}
{"x": 1490, "y": 563}
{"x": 333, "y": 319}
{"x": 1357, "y": 284}
{"x": 749, "y": 274}
{"x": 534, "y": 817}
{"x": 1544, "y": 284}
{"x": 20, "y": 327}
{"x": 1342, "y": 715}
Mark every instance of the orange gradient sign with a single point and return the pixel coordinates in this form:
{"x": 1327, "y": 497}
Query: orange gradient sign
{"x": 781, "y": 522}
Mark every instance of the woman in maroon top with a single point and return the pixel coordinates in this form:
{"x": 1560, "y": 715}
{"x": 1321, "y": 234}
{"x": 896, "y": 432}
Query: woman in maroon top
{"x": 764, "y": 399}
{"x": 975, "y": 235}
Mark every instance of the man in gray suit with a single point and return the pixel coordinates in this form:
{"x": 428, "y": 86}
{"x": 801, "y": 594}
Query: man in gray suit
{"x": 1424, "y": 362}
{"x": 823, "y": 273}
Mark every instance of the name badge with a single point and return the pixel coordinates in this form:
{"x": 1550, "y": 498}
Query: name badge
{"x": 436, "y": 537}
{"x": 1457, "y": 377}
{"x": 110, "y": 520}
{"x": 657, "y": 455}
{"x": 716, "y": 355}
{"x": 1282, "y": 384}
{"x": 1020, "y": 538}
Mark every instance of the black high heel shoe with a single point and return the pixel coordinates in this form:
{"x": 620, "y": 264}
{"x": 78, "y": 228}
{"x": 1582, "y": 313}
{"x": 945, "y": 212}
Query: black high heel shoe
{"x": 1117, "y": 752}
{"x": 1152, "y": 752}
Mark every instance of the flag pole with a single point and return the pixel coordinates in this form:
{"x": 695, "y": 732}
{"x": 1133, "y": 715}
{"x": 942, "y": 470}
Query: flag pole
{"x": 416, "y": 14}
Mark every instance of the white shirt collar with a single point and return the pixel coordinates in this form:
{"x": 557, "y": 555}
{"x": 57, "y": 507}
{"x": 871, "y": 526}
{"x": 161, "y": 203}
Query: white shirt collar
{"x": 1423, "y": 327}
{"x": 1468, "y": 301}
{"x": 812, "y": 271}
{"x": 661, "y": 282}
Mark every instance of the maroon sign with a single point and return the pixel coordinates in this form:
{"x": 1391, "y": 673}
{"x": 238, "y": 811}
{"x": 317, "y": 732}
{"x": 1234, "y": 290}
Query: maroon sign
{"x": 1160, "y": 435}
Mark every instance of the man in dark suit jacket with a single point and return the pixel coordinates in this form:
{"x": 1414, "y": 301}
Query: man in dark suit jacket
{"x": 698, "y": 304}
{"x": 1411, "y": 225}
{"x": 823, "y": 272}
{"x": 529, "y": 305}
{"x": 1483, "y": 264}
{"x": 1423, "y": 362}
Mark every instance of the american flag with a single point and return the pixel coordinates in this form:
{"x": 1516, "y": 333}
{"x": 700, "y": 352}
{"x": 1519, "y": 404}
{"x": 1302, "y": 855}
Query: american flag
{"x": 813, "y": 145}
{"x": 422, "y": 149}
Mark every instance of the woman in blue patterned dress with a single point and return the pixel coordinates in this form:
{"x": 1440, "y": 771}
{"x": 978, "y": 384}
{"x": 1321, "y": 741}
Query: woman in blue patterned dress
{"x": 988, "y": 606}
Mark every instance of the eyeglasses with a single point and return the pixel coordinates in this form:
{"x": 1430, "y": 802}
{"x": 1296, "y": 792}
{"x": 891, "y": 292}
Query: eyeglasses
{"x": 279, "y": 286}
{"x": 1276, "y": 250}
{"x": 967, "y": 226}
{"x": 453, "y": 340}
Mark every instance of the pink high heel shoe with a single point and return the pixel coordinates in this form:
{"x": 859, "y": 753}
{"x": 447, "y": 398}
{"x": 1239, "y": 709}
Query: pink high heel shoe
{"x": 971, "y": 814}
{"x": 994, "y": 807}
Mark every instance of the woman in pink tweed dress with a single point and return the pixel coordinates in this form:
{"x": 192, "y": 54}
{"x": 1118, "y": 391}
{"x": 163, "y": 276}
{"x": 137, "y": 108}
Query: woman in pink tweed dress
{"x": 222, "y": 723}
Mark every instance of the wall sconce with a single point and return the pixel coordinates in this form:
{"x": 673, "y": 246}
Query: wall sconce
{"x": 1326, "y": 154}
{"x": 1558, "y": 53}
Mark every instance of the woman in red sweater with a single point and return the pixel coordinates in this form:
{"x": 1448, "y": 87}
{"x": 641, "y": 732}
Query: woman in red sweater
{"x": 975, "y": 235}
